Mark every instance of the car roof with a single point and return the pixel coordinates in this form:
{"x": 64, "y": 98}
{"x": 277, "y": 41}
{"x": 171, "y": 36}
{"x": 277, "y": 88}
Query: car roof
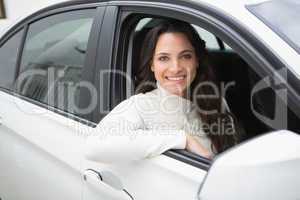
{"x": 220, "y": 4}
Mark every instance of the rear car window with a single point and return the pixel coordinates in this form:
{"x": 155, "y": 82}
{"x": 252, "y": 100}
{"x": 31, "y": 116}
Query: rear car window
{"x": 53, "y": 59}
{"x": 282, "y": 17}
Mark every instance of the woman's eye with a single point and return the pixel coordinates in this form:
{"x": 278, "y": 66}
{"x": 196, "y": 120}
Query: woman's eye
{"x": 187, "y": 56}
{"x": 163, "y": 58}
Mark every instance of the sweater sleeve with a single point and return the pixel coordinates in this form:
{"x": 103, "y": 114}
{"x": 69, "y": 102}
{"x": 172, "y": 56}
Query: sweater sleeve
{"x": 121, "y": 137}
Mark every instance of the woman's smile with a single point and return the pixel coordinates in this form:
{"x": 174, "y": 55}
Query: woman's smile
{"x": 176, "y": 78}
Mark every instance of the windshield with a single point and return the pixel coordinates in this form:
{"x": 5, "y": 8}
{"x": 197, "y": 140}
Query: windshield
{"x": 283, "y": 17}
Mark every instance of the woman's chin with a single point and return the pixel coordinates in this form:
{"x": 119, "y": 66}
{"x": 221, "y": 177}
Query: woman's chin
{"x": 177, "y": 90}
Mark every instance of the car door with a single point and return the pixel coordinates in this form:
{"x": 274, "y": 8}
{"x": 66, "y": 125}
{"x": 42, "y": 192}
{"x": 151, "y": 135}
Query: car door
{"x": 42, "y": 126}
{"x": 174, "y": 175}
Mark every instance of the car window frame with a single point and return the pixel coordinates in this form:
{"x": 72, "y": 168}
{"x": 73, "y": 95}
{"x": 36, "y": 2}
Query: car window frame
{"x": 5, "y": 39}
{"x": 103, "y": 63}
{"x": 258, "y": 56}
{"x": 89, "y": 63}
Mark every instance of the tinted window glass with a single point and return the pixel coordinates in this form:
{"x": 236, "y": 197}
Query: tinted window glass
{"x": 8, "y": 59}
{"x": 53, "y": 58}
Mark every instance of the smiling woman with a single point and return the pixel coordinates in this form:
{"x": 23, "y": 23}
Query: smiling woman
{"x": 172, "y": 62}
{"x": 2, "y": 9}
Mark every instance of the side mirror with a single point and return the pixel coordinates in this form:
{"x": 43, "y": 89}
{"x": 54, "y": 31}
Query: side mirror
{"x": 266, "y": 167}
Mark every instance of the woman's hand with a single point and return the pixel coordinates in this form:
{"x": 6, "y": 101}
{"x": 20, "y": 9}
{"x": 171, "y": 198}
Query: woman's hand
{"x": 192, "y": 145}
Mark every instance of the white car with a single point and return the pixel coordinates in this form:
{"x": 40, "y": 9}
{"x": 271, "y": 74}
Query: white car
{"x": 56, "y": 84}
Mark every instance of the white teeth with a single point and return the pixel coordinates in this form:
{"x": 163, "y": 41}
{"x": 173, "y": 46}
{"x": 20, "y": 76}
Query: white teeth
{"x": 175, "y": 78}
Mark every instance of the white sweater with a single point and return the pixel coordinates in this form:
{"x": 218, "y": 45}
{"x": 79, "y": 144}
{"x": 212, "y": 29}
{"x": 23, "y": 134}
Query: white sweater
{"x": 143, "y": 126}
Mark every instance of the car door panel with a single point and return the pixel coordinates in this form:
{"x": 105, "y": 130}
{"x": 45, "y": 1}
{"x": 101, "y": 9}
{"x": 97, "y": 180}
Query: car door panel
{"x": 44, "y": 155}
{"x": 161, "y": 177}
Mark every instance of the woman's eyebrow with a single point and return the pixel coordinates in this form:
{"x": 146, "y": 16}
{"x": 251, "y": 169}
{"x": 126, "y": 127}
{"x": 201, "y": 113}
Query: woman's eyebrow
{"x": 186, "y": 51}
{"x": 162, "y": 53}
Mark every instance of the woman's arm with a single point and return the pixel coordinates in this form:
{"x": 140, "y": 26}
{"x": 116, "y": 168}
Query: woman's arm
{"x": 120, "y": 137}
{"x": 192, "y": 145}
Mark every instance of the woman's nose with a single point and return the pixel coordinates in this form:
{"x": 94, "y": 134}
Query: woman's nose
{"x": 176, "y": 66}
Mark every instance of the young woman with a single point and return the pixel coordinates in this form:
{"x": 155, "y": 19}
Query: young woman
{"x": 167, "y": 112}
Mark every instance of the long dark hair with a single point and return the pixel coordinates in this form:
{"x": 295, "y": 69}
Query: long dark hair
{"x": 145, "y": 81}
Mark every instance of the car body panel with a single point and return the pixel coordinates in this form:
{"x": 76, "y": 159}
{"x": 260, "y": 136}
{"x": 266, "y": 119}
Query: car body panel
{"x": 258, "y": 169}
{"x": 46, "y": 156}
{"x": 161, "y": 178}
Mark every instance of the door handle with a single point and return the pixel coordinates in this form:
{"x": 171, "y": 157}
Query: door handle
{"x": 107, "y": 179}
{"x": 0, "y": 121}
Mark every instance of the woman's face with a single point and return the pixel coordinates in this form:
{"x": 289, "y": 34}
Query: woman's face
{"x": 174, "y": 63}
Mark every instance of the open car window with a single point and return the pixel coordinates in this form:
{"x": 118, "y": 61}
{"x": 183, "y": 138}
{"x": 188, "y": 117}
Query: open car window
{"x": 254, "y": 109}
